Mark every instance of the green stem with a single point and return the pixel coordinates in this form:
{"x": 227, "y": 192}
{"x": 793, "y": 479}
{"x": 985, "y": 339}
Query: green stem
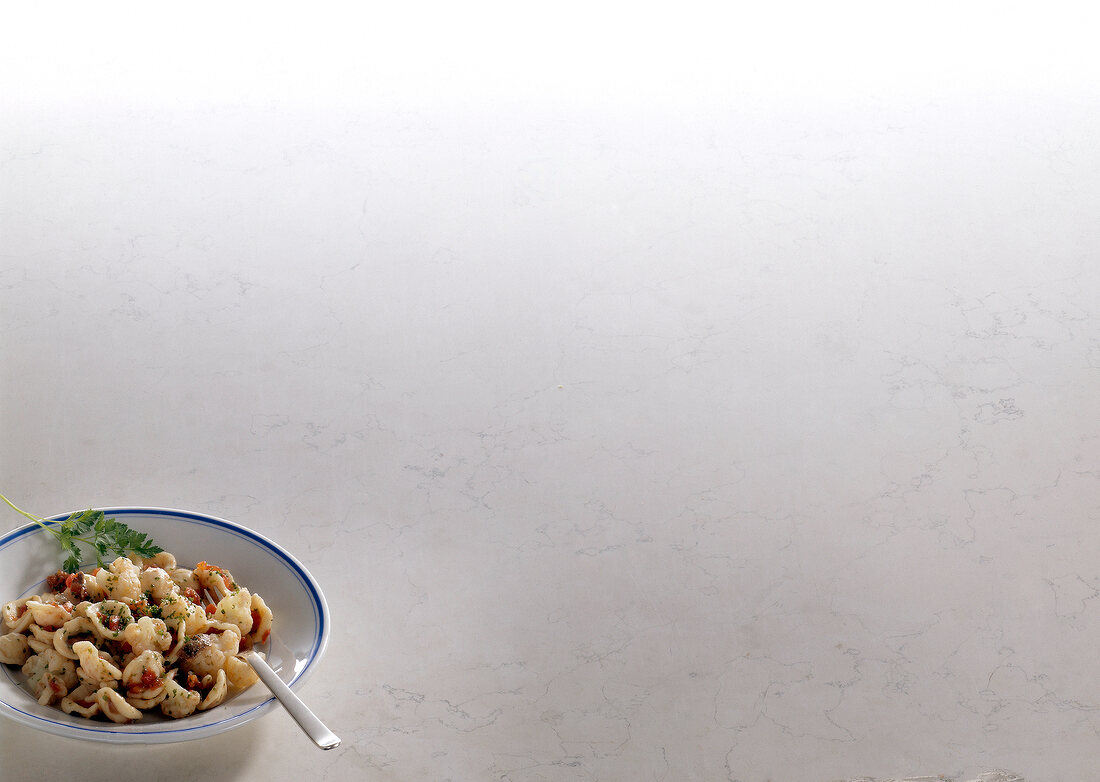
{"x": 37, "y": 520}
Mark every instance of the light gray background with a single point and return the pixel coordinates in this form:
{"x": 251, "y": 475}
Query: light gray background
{"x": 707, "y": 396}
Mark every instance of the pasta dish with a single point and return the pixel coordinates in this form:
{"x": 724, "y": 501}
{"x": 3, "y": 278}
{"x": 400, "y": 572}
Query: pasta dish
{"x": 136, "y": 635}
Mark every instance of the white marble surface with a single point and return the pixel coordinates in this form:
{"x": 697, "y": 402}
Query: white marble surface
{"x": 654, "y": 399}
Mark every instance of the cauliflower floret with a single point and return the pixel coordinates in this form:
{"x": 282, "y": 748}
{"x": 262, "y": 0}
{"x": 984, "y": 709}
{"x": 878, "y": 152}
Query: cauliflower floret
{"x": 120, "y": 580}
{"x": 235, "y": 608}
{"x": 262, "y": 621}
{"x": 157, "y": 583}
{"x": 50, "y": 676}
{"x": 147, "y": 634}
{"x": 177, "y": 609}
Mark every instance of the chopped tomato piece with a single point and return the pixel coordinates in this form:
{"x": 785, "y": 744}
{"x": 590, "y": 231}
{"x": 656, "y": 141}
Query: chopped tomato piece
{"x": 113, "y": 622}
{"x": 191, "y": 595}
{"x": 210, "y": 609}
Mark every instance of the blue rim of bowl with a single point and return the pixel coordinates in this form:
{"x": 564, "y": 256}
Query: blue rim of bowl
{"x": 303, "y": 576}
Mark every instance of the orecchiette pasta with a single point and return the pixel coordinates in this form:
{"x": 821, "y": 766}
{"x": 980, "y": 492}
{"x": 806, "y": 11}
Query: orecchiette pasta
{"x": 96, "y": 669}
{"x": 135, "y": 636}
{"x": 184, "y": 579}
{"x": 80, "y": 701}
{"x": 109, "y": 618}
{"x": 216, "y": 694}
{"x": 79, "y": 628}
{"x": 16, "y": 616}
{"x": 115, "y": 706}
{"x": 50, "y": 614}
{"x": 42, "y": 638}
{"x": 162, "y": 560}
{"x": 179, "y": 701}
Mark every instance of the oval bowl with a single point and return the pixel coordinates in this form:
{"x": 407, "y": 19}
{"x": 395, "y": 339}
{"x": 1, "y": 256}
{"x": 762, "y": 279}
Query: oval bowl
{"x": 299, "y": 635}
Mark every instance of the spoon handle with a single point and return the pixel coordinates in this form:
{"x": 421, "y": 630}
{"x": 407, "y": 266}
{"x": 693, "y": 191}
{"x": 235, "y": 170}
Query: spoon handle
{"x": 314, "y": 728}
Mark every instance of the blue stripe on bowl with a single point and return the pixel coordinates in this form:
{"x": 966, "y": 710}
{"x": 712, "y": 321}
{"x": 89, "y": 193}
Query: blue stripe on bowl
{"x": 317, "y": 603}
{"x": 158, "y": 731}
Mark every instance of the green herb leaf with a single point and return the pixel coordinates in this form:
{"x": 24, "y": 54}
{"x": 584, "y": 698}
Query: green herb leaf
{"x": 107, "y": 536}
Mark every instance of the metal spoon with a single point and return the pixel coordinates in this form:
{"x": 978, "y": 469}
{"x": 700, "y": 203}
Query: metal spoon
{"x": 306, "y": 719}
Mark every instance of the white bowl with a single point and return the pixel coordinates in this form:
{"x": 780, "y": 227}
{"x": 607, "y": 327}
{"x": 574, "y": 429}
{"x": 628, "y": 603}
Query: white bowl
{"x": 298, "y": 639}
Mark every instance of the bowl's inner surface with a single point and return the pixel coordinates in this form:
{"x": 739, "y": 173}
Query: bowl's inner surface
{"x": 299, "y": 633}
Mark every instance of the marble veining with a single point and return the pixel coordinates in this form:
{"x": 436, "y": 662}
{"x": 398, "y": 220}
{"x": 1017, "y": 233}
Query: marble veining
{"x": 728, "y": 437}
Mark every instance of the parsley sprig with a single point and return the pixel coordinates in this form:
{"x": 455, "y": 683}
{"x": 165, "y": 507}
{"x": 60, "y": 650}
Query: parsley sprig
{"x": 92, "y": 528}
